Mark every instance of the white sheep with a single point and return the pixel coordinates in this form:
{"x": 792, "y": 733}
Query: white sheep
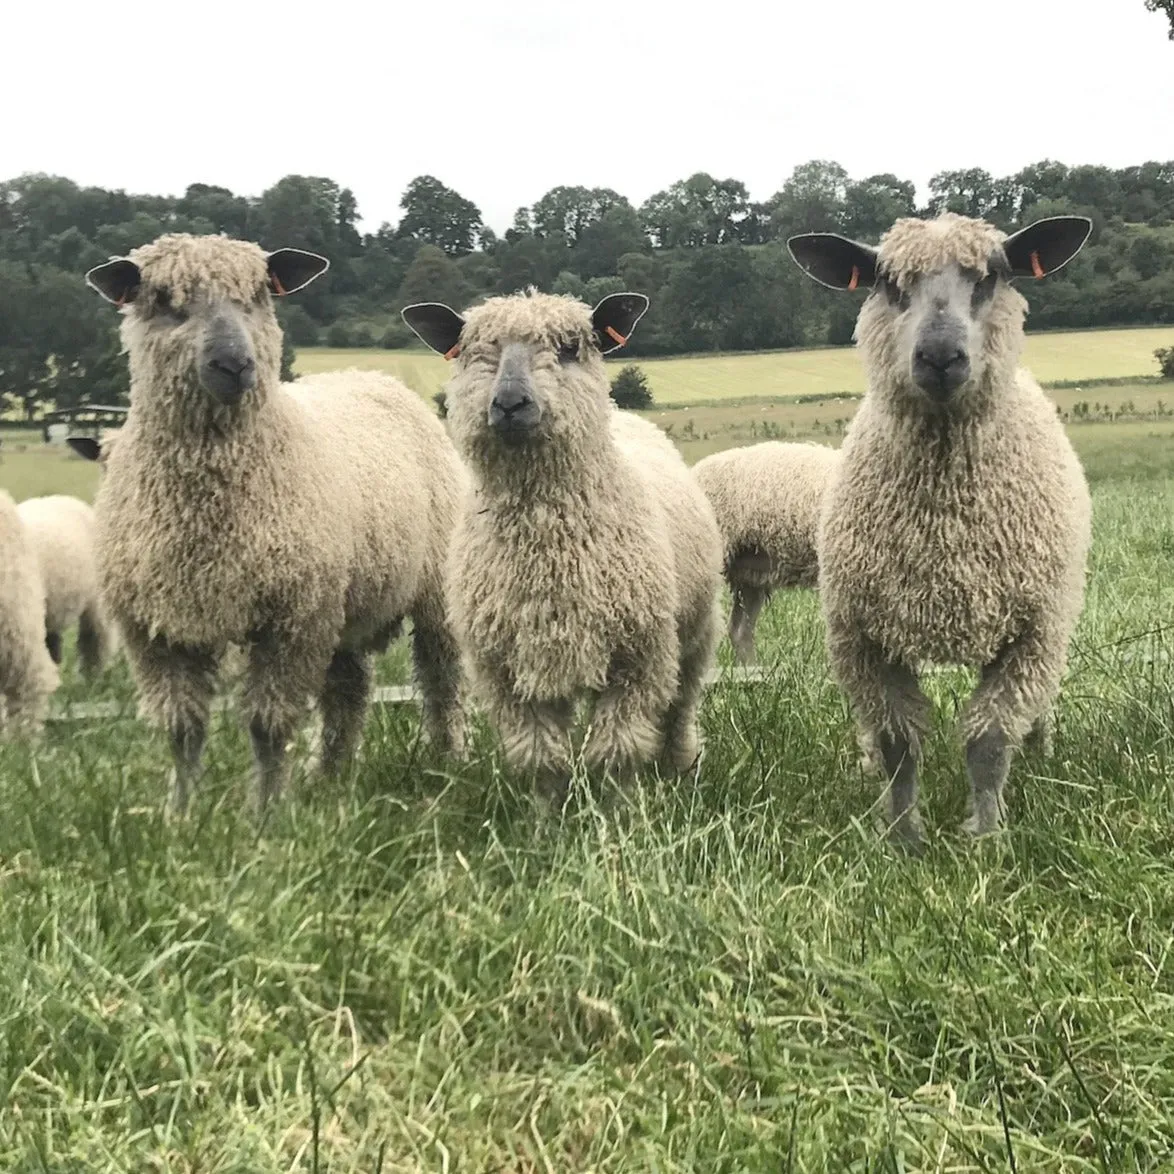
{"x": 28, "y": 675}
{"x": 302, "y": 522}
{"x": 767, "y": 498}
{"x": 957, "y": 528}
{"x": 587, "y": 561}
{"x": 61, "y": 531}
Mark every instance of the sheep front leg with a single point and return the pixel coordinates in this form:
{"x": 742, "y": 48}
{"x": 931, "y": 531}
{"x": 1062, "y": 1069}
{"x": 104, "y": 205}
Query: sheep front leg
{"x": 1013, "y": 699}
{"x": 94, "y": 641}
{"x": 748, "y": 602}
{"x": 53, "y": 646}
{"x": 437, "y": 664}
{"x": 284, "y": 672}
{"x": 535, "y": 736}
{"x": 176, "y": 684}
{"x": 628, "y": 722}
{"x": 893, "y": 715}
{"x": 682, "y": 733}
{"x": 344, "y": 703}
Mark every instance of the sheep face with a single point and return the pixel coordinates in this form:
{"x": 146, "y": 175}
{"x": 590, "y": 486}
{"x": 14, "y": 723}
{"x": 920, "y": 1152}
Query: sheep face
{"x": 942, "y": 315}
{"x": 530, "y": 370}
{"x": 201, "y": 309}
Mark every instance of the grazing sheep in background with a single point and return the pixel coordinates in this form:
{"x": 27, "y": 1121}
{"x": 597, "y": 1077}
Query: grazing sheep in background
{"x": 957, "y": 528}
{"x": 28, "y": 675}
{"x": 61, "y": 532}
{"x": 302, "y": 522}
{"x": 766, "y": 498}
{"x": 587, "y": 561}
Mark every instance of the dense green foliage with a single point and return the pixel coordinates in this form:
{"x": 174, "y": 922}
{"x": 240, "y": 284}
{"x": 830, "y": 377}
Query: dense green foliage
{"x": 630, "y": 388}
{"x": 712, "y": 260}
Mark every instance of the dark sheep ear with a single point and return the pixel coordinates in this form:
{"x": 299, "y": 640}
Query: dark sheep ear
{"x": 294, "y": 269}
{"x": 436, "y": 325}
{"x": 615, "y": 318}
{"x": 117, "y": 280}
{"x": 834, "y": 260}
{"x": 85, "y": 446}
{"x": 1047, "y": 245}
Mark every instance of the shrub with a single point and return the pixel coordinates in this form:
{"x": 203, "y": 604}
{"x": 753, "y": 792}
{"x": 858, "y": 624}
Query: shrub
{"x": 1165, "y": 357}
{"x": 338, "y": 336}
{"x": 630, "y": 389}
{"x": 396, "y": 335}
{"x": 299, "y": 327}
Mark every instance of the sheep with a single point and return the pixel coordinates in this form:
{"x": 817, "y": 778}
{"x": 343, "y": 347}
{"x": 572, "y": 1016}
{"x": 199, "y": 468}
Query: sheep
{"x": 766, "y": 498}
{"x": 957, "y": 528}
{"x": 28, "y": 676}
{"x": 94, "y": 448}
{"x": 61, "y": 531}
{"x": 302, "y": 521}
{"x": 586, "y": 564}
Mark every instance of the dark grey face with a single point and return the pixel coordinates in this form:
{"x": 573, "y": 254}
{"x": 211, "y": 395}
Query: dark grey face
{"x": 514, "y": 410}
{"x": 227, "y": 361}
{"x": 943, "y": 324}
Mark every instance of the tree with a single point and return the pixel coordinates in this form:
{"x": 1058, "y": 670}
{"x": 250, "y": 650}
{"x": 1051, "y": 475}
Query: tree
{"x": 288, "y": 355}
{"x": 872, "y": 204}
{"x": 630, "y": 389}
{"x": 437, "y": 215}
{"x": 569, "y": 210}
{"x": 433, "y": 277}
{"x": 697, "y": 211}
{"x": 1166, "y": 6}
{"x": 812, "y": 200}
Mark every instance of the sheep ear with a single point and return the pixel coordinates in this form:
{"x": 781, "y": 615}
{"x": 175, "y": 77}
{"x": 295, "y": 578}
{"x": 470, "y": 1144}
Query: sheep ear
{"x": 615, "y": 318}
{"x": 834, "y": 260}
{"x": 1047, "y": 245}
{"x": 436, "y": 325}
{"x": 294, "y": 269}
{"x": 117, "y": 280}
{"x": 85, "y": 446}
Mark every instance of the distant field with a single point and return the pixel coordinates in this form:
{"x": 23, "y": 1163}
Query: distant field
{"x": 1099, "y": 354}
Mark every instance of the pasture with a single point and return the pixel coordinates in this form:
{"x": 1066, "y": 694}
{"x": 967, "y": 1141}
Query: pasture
{"x": 1051, "y": 357}
{"x": 417, "y": 971}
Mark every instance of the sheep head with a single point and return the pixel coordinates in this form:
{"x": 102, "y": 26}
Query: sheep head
{"x": 199, "y": 308}
{"x": 942, "y": 315}
{"x": 529, "y": 369}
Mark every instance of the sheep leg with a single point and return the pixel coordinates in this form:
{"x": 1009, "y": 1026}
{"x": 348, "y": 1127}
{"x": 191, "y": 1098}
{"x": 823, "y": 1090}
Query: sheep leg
{"x": 748, "y": 602}
{"x": 283, "y": 674}
{"x": 1039, "y": 738}
{"x": 437, "y": 665}
{"x": 683, "y": 740}
{"x": 892, "y": 714}
{"x": 175, "y": 683}
{"x": 53, "y": 646}
{"x": 1013, "y": 699}
{"x": 535, "y": 737}
{"x": 344, "y": 708}
{"x": 93, "y": 642}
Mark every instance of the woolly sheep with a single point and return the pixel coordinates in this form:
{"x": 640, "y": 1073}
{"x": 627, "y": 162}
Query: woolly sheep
{"x": 766, "y": 498}
{"x": 61, "y": 531}
{"x": 586, "y": 562}
{"x": 957, "y": 528}
{"x": 303, "y": 521}
{"x": 28, "y": 675}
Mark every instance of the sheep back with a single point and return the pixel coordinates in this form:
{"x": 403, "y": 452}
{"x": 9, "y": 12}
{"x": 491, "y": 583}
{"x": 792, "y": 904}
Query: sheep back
{"x": 61, "y": 532}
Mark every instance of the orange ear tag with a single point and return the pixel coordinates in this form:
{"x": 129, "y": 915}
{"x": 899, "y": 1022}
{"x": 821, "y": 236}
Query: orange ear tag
{"x": 278, "y": 288}
{"x": 453, "y": 351}
{"x": 615, "y": 334}
{"x": 1036, "y": 267}
{"x": 855, "y": 277}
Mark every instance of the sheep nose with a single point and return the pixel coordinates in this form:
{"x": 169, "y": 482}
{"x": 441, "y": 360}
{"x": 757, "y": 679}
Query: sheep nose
{"x": 940, "y": 358}
{"x": 236, "y": 368}
{"x": 512, "y": 396}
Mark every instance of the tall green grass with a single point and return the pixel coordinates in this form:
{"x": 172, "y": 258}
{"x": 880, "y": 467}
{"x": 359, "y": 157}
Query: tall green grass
{"x": 415, "y": 970}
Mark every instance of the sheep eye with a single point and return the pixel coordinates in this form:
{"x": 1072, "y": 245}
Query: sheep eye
{"x": 568, "y": 352}
{"x": 984, "y": 290}
{"x": 894, "y": 294}
{"x": 161, "y": 304}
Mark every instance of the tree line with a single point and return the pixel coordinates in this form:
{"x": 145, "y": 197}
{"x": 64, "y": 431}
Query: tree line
{"x": 712, "y": 260}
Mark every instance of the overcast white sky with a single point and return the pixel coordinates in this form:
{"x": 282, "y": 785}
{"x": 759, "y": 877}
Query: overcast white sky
{"x": 504, "y": 99}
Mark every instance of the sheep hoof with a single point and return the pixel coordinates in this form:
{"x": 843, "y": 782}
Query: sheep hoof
{"x": 978, "y": 827}
{"x": 553, "y": 788}
{"x": 905, "y": 833}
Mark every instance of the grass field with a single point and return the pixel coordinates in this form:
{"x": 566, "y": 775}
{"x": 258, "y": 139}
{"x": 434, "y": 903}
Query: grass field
{"x": 414, "y": 971}
{"x": 1101, "y": 354}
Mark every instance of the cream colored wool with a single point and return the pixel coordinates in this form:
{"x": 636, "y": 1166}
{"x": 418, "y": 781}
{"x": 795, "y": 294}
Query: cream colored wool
{"x": 303, "y": 523}
{"x": 28, "y": 675}
{"x": 61, "y": 531}
{"x": 952, "y": 534}
{"x": 767, "y": 499}
{"x": 586, "y": 563}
